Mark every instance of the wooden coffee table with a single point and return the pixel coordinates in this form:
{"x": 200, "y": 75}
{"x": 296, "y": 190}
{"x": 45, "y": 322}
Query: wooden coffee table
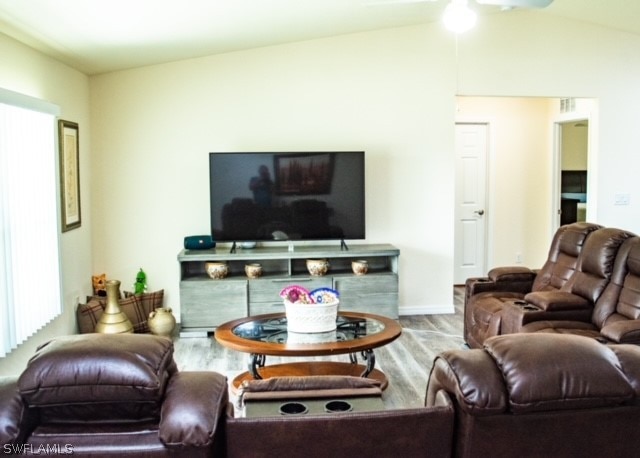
{"x": 262, "y": 335}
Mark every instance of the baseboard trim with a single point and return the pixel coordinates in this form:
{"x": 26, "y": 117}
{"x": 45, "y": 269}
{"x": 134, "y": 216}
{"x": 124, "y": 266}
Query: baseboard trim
{"x": 435, "y": 309}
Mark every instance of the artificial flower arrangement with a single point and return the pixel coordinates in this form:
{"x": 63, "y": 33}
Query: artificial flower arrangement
{"x": 310, "y": 311}
{"x": 300, "y": 295}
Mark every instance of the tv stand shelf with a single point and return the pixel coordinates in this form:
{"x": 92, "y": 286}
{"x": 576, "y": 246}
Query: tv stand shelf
{"x": 207, "y": 303}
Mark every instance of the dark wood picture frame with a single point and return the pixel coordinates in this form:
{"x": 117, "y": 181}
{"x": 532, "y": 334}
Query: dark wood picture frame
{"x": 69, "y": 150}
{"x": 303, "y": 174}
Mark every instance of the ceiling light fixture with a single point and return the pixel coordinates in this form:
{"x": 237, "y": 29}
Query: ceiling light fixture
{"x": 458, "y": 17}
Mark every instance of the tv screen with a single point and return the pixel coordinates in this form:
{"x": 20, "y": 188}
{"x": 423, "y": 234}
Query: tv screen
{"x": 287, "y": 196}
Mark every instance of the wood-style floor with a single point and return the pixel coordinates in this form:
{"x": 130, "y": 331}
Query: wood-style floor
{"x": 406, "y": 362}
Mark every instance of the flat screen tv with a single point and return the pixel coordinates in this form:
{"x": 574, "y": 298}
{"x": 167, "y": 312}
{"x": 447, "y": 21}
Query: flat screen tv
{"x": 287, "y": 196}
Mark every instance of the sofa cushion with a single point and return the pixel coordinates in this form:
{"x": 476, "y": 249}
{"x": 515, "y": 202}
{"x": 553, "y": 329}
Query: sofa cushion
{"x": 99, "y": 376}
{"x": 585, "y": 374}
{"x": 87, "y": 315}
{"x": 137, "y": 307}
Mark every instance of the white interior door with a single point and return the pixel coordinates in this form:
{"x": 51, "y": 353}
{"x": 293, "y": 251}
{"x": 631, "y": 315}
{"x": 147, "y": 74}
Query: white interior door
{"x": 471, "y": 145}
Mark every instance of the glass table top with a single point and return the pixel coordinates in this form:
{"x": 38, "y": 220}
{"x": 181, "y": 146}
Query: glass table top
{"x": 274, "y": 330}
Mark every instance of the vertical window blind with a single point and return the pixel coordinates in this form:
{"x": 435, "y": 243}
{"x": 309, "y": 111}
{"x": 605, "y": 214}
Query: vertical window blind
{"x": 30, "y": 286}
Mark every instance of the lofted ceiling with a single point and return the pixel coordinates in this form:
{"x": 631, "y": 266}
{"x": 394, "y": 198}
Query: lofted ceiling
{"x": 98, "y": 36}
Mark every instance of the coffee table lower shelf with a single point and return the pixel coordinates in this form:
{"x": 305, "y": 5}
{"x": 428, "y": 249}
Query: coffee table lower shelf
{"x": 305, "y": 369}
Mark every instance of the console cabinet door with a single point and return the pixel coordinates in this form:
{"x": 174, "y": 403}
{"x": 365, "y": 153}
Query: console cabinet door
{"x": 210, "y": 303}
{"x": 264, "y": 294}
{"x": 371, "y": 293}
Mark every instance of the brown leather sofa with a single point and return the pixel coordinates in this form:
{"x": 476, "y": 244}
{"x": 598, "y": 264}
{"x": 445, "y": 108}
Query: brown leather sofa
{"x": 615, "y": 317}
{"x": 111, "y": 395}
{"x": 522, "y": 395}
{"x": 579, "y": 269}
{"x": 485, "y": 297}
{"x": 367, "y": 430}
{"x": 535, "y": 395}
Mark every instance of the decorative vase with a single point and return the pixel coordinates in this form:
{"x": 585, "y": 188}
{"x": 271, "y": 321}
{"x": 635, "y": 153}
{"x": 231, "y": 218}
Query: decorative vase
{"x": 113, "y": 320}
{"x": 216, "y": 270}
{"x": 253, "y": 270}
{"x": 161, "y": 322}
{"x": 360, "y": 267}
{"x": 317, "y": 267}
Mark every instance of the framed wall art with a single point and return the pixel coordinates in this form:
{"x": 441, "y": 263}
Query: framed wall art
{"x": 69, "y": 174}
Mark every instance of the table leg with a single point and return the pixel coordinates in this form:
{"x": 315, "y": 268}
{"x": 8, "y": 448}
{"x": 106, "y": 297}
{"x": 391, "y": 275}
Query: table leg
{"x": 256, "y": 361}
{"x": 369, "y": 357}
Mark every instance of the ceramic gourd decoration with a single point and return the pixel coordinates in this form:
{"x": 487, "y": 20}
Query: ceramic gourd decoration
{"x": 161, "y": 322}
{"x": 113, "y": 320}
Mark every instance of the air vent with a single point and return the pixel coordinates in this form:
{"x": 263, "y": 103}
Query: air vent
{"x": 567, "y": 105}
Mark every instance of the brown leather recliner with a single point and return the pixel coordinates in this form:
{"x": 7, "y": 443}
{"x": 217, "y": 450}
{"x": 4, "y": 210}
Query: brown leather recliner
{"x": 485, "y": 297}
{"x": 616, "y": 315}
{"x": 534, "y": 395}
{"x": 576, "y": 300}
{"x": 112, "y": 395}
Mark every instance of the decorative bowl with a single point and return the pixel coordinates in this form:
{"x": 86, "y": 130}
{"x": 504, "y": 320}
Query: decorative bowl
{"x": 317, "y": 267}
{"x": 217, "y": 270}
{"x": 360, "y": 267}
{"x": 253, "y": 270}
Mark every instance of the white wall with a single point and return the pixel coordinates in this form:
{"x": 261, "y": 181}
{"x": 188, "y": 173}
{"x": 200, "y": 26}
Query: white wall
{"x": 575, "y": 145}
{"x": 524, "y": 53}
{"x": 28, "y": 72}
{"x": 153, "y": 128}
{"x": 391, "y": 93}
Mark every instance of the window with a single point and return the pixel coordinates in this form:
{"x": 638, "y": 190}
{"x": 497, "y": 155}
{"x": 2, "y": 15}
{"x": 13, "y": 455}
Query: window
{"x": 30, "y": 291}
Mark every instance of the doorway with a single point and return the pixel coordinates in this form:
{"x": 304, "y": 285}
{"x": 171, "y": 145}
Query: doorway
{"x": 573, "y": 152}
{"x": 523, "y": 176}
{"x": 471, "y": 147}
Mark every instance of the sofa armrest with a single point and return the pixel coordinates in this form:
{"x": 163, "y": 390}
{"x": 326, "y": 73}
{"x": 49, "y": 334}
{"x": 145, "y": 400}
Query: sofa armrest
{"x": 627, "y": 331}
{"x": 470, "y": 379}
{"x": 508, "y": 279}
{"x": 510, "y": 274}
{"x": 16, "y": 420}
{"x": 193, "y": 409}
{"x": 556, "y": 301}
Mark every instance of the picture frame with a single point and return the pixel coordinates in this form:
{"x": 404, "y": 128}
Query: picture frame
{"x": 69, "y": 151}
{"x": 303, "y": 174}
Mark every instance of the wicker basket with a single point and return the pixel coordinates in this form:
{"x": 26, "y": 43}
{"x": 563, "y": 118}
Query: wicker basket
{"x": 311, "y": 317}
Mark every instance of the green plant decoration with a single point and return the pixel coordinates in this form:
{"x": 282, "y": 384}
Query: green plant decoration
{"x": 140, "y": 286}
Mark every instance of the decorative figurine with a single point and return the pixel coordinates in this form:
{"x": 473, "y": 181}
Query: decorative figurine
{"x": 140, "y": 286}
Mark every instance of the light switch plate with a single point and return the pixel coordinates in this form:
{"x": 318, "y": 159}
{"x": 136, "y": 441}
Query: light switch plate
{"x": 622, "y": 199}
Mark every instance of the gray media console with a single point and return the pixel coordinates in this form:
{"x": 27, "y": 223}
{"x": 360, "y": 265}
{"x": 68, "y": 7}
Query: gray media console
{"x": 206, "y": 303}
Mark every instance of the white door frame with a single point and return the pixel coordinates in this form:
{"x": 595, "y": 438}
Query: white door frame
{"x": 557, "y": 166}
